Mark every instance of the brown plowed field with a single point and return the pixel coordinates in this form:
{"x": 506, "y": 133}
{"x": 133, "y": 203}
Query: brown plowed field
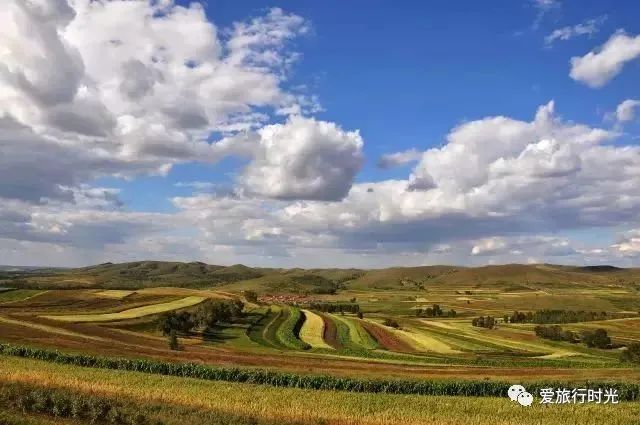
{"x": 330, "y": 331}
{"x": 386, "y": 339}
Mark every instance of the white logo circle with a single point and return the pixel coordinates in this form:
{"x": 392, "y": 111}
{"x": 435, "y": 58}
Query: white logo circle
{"x": 525, "y": 399}
{"x": 515, "y": 391}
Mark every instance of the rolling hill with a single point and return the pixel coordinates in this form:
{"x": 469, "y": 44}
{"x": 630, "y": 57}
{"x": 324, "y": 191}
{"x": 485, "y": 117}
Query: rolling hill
{"x": 142, "y": 274}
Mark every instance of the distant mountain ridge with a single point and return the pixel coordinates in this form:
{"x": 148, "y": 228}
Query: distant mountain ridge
{"x": 238, "y": 277}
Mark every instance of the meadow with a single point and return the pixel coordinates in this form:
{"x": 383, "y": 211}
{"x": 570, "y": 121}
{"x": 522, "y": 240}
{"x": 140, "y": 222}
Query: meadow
{"x": 394, "y": 346}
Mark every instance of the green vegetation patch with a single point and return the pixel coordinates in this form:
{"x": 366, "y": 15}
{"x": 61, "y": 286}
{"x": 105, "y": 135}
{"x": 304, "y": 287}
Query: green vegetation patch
{"x": 9, "y": 295}
{"x": 288, "y": 332}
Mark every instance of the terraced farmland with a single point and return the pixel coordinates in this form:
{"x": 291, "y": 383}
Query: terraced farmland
{"x": 289, "y": 330}
{"x": 133, "y": 313}
{"x": 312, "y": 332}
{"x": 327, "y": 336}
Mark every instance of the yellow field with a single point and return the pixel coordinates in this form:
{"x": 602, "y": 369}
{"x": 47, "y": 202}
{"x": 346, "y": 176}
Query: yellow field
{"x": 423, "y": 342}
{"x": 133, "y": 313}
{"x": 114, "y": 293}
{"x": 310, "y": 406}
{"x": 313, "y": 330}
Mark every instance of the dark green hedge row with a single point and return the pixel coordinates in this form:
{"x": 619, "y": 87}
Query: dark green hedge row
{"x": 626, "y": 391}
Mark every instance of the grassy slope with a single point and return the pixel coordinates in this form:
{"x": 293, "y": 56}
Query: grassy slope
{"x": 309, "y": 406}
{"x": 239, "y": 277}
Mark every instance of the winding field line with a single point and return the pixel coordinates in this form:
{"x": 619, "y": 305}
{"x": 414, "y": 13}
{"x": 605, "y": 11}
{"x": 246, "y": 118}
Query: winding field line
{"x": 133, "y": 313}
{"x": 312, "y": 331}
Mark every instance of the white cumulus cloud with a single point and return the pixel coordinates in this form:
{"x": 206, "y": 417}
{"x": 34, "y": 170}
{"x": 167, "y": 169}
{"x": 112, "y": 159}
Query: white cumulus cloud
{"x": 626, "y": 111}
{"x": 304, "y": 159}
{"x": 598, "y": 67}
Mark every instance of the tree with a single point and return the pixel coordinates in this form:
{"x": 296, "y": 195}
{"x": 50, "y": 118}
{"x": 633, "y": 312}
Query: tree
{"x": 251, "y": 296}
{"x": 173, "y": 340}
{"x": 596, "y": 339}
{"x": 631, "y": 354}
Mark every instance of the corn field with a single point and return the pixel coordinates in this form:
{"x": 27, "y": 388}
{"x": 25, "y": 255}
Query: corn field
{"x": 626, "y": 391}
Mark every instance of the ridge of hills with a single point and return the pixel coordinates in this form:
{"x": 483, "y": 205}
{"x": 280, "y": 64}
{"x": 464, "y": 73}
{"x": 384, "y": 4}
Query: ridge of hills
{"x": 142, "y": 274}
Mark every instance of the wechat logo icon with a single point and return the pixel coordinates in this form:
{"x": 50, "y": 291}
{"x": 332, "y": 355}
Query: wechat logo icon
{"x": 519, "y": 394}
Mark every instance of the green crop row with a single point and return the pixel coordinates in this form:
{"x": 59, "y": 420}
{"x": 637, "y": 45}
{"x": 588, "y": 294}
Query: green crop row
{"x": 289, "y": 330}
{"x": 626, "y": 391}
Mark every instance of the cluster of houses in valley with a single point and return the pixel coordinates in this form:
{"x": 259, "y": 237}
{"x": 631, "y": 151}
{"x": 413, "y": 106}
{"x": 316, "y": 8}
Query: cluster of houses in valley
{"x": 286, "y": 299}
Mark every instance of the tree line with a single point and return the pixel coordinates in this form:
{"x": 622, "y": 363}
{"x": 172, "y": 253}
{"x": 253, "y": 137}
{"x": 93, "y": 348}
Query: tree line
{"x": 597, "y": 338}
{"x": 488, "y": 322}
{"x": 206, "y": 316}
{"x": 435, "y": 311}
{"x": 335, "y": 307}
{"x": 555, "y": 316}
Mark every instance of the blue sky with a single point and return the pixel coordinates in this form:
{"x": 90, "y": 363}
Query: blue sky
{"x": 245, "y": 131}
{"x": 405, "y": 75}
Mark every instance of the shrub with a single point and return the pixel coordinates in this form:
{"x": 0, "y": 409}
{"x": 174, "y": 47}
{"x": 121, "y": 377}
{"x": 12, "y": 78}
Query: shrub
{"x": 596, "y": 339}
{"x": 632, "y": 353}
{"x": 251, "y": 296}
{"x": 391, "y": 323}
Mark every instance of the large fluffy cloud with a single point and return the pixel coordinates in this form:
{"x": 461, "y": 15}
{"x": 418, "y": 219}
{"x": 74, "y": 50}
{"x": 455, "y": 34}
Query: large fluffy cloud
{"x": 304, "y": 159}
{"x": 495, "y": 176}
{"x": 130, "y": 87}
{"x": 597, "y": 67}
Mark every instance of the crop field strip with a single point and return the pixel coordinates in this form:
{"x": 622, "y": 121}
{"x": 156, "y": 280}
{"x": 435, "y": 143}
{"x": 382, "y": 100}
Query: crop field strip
{"x": 288, "y": 331}
{"x": 330, "y": 331}
{"x": 131, "y": 313}
{"x": 8, "y": 353}
{"x": 312, "y": 331}
{"x": 386, "y": 338}
{"x": 358, "y": 334}
{"x": 306, "y": 405}
{"x": 137, "y": 345}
